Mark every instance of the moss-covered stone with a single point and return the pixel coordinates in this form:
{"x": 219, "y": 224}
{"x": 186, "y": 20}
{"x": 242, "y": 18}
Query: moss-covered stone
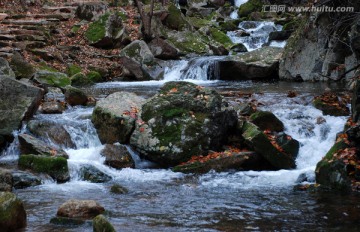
{"x": 266, "y": 120}
{"x": 73, "y": 69}
{"x": 200, "y": 22}
{"x": 251, "y": 6}
{"x": 101, "y": 224}
{"x": 80, "y": 79}
{"x": 118, "y": 189}
{"x": 46, "y": 67}
{"x": 220, "y": 37}
{"x": 228, "y": 26}
{"x": 12, "y": 212}
{"x": 175, "y": 20}
{"x": 97, "y": 30}
{"x": 56, "y": 167}
{"x": 75, "y": 96}
{"x": 94, "y": 76}
{"x": 330, "y": 104}
{"x": 21, "y": 67}
{"x": 189, "y": 42}
{"x": 53, "y": 79}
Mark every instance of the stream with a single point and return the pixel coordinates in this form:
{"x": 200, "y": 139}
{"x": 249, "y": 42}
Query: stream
{"x": 161, "y": 200}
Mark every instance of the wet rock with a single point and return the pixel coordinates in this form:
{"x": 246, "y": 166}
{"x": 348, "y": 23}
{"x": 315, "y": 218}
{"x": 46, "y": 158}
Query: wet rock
{"x": 251, "y": 6}
{"x": 266, "y": 120}
{"x": 330, "y": 104}
{"x": 32, "y": 145}
{"x": 117, "y": 156}
{"x": 56, "y": 167}
{"x": 5, "y": 69}
{"x": 239, "y": 48}
{"x": 82, "y": 209}
{"x": 19, "y": 101}
{"x": 54, "y": 94}
{"x": 133, "y": 70}
{"x": 139, "y": 51}
{"x": 107, "y": 32}
{"x": 51, "y": 79}
{"x": 225, "y": 161}
{"x": 93, "y": 174}
{"x": 6, "y": 180}
{"x": 118, "y": 189}
{"x": 101, "y": 224}
{"x": 91, "y": 10}
{"x": 12, "y": 212}
{"x": 274, "y": 153}
{"x": 246, "y": 109}
{"x": 260, "y": 64}
{"x": 75, "y": 96}
{"x": 21, "y": 67}
{"x": 114, "y": 117}
{"x": 163, "y": 50}
{"x": 24, "y": 179}
{"x": 279, "y": 35}
{"x": 52, "y": 108}
{"x": 331, "y": 171}
{"x": 181, "y": 121}
{"x": 56, "y": 132}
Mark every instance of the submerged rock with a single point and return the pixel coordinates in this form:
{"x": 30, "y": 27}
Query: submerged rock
{"x": 12, "y": 212}
{"x": 32, "y": 145}
{"x": 279, "y": 152}
{"x": 260, "y": 64}
{"x": 94, "y": 175}
{"x": 118, "y": 189}
{"x": 6, "y": 180}
{"x": 114, "y": 116}
{"x": 18, "y": 101}
{"x": 331, "y": 104}
{"x": 24, "y": 179}
{"x": 183, "y": 120}
{"x": 101, "y": 224}
{"x": 56, "y": 167}
{"x": 82, "y": 209}
{"x": 117, "y": 156}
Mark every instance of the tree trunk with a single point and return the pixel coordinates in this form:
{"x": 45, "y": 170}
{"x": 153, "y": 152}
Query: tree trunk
{"x": 146, "y": 20}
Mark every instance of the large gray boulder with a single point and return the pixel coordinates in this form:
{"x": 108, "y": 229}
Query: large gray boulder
{"x": 5, "y": 69}
{"x": 163, "y": 50}
{"x": 114, "y": 116}
{"x": 18, "y": 102}
{"x": 12, "y": 212}
{"x": 117, "y": 156}
{"x": 107, "y": 32}
{"x": 183, "y": 120}
{"x": 261, "y": 64}
{"x": 133, "y": 70}
{"x": 91, "y": 10}
{"x": 139, "y": 51}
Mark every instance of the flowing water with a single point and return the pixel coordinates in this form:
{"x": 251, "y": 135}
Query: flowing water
{"x": 161, "y": 200}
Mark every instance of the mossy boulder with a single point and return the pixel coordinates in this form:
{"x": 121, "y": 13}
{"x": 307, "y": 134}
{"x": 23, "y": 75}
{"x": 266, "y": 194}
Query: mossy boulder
{"x": 56, "y": 167}
{"x": 114, "y": 116}
{"x": 91, "y": 10}
{"x": 32, "y": 145}
{"x": 75, "y": 96}
{"x": 94, "y": 76}
{"x": 107, "y": 32}
{"x": 73, "y": 69}
{"x": 189, "y": 42}
{"x": 117, "y": 156}
{"x": 228, "y": 26}
{"x": 181, "y": 121}
{"x": 175, "y": 19}
{"x": 5, "y": 69}
{"x": 139, "y": 51}
{"x": 251, "y": 6}
{"x": 163, "y": 50}
{"x": 220, "y": 37}
{"x": 101, "y": 224}
{"x": 93, "y": 174}
{"x": 331, "y": 104}
{"x": 274, "y": 153}
{"x": 331, "y": 171}
{"x": 21, "y": 67}
{"x": 52, "y": 79}
{"x": 239, "y": 47}
{"x": 266, "y": 120}
{"x": 80, "y": 80}
{"x": 12, "y": 212}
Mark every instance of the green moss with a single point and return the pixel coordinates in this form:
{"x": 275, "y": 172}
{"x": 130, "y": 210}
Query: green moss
{"x": 94, "y": 76}
{"x": 80, "y": 79}
{"x": 56, "y": 79}
{"x": 101, "y": 224}
{"x": 335, "y": 148}
{"x": 9, "y": 207}
{"x": 190, "y": 43}
{"x": 73, "y": 69}
{"x": 221, "y": 37}
{"x": 228, "y": 26}
{"x": 44, "y": 66}
{"x": 122, "y": 15}
{"x": 171, "y": 113}
{"x": 200, "y": 22}
{"x": 249, "y": 7}
{"x": 118, "y": 189}
{"x": 175, "y": 19}
{"x": 75, "y": 29}
{"x": 56, "y": 167}
{"x": 168, "y": 134}
{"x": 96, "y": 30}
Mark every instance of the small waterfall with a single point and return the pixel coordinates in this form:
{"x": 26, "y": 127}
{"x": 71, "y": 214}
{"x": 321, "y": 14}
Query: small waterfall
{"x": 259, "y": 34}
{"x": 198, "y": 69}
{"x": 11, "y": 153}
{"x": 238, "y": 3}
